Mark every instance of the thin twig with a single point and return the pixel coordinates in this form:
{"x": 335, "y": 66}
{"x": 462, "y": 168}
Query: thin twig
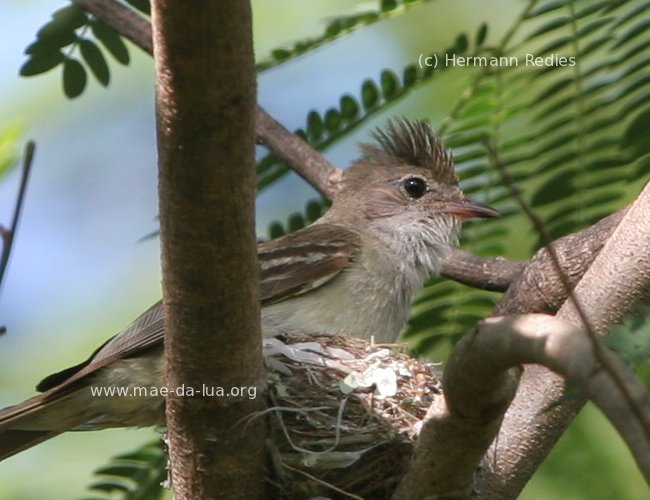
{"x": 285, "y": 431}
{"x": 8, "y": 235}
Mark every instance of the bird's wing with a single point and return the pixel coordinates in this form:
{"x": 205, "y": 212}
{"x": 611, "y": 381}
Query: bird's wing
{"x": 304, "y": 260}
{"x": 145, "y": 332}
{"x": 290, "y": 265}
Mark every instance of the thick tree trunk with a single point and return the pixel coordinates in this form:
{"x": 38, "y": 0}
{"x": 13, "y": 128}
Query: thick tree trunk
{"x": 205, "y": 83}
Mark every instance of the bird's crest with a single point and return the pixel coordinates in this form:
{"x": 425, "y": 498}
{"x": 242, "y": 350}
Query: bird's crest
{"x": 415, "y": 143}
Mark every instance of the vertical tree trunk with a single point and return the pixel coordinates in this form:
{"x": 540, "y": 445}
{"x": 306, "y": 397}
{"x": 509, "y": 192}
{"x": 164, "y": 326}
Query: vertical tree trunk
{"x": 205, "y": 84}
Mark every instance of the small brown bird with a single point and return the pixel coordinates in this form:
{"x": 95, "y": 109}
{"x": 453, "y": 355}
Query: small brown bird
{"x": 355, "y": 271}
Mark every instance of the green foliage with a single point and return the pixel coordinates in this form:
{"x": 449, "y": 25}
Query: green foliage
{"x": 313, "y": 210}
{"x": 631, "y": 341}
{"x": 573, "y": 136}
{"x": 141, "y": 5}
{"x": 337, "y": 28}
{"x": 67, "y": 35}
{"x": 137, "y": 475}
{"x": 74, "y": 78}
{"x": 111, "y": 41}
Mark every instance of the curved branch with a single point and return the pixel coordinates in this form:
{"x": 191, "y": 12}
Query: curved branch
{"x": 479, "y": 379}
{"x": 614, "y": 285}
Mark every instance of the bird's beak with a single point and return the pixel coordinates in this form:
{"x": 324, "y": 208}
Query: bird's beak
{"x": 467, "y": 209}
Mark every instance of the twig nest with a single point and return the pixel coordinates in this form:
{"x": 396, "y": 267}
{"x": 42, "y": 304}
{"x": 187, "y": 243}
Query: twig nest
{"x": 344, "y": 415}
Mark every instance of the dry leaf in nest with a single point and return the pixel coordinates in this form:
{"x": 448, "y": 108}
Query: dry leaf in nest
{"x": 344, "y": 416}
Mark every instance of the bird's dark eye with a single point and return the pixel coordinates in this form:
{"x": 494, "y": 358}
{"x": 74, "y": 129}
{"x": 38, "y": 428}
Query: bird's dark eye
{"x": 415, "y": 187}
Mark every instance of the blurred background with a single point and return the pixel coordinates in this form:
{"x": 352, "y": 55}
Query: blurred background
{"x": 79, "y": 271}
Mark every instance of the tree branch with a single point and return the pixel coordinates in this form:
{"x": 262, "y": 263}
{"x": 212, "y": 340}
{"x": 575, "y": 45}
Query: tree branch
{"x": 614, "y": 285}
{"x": 125, "y": 21}
{"x": 479, "y": 381}
{"x": 7, "y": 236}
{"x": 533, "y": 285}
{"x": 539, "y": 288}
{"x": 489, "y": 273}
{"x": 298, "y": 154}
{"x": 209, "y": 253}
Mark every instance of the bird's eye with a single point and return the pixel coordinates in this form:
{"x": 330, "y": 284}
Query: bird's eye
{"x": 415, "y": 187}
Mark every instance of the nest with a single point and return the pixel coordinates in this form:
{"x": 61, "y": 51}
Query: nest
{"x": 344, "y": 416}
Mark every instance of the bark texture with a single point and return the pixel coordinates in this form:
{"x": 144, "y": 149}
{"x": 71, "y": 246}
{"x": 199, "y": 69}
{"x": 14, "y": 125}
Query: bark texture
{"x": 205, "y": 97}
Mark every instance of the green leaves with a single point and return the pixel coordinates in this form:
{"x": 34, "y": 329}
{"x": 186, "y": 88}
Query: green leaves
{"x": 584, "y": 124}
{"x": 141, "y": 5}
{"x": 336, "y": 28}
{"x": 95, "y": 61}
{"x": 636, "y": 134}
{"x": 631, "y": 341}
{"x": 324, "y": 129}
{"x": 137, "y": 475}
{"x": 61, "y": 27}
{"x": 481, "y": 35}
{"x": 66, "y": 34}
{"x": 389, "y": 84}
{"x": 369, "y": 94}
{"x": 74, "y": 78}
{"x": 576, "y": 137}
{"x": 111, "y": 41}
{"x": 575, "y": 133}
{"x": 45, "y": 53}
{"x": 313, "y": 210}
{"x": 42, "y": 59}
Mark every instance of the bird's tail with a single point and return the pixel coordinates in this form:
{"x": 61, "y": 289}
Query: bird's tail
{"x": 15, "y": 441}
{"x": 26, "y": 424}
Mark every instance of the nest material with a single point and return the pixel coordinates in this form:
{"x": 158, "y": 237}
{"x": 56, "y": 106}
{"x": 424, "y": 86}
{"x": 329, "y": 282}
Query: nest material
{"x": 344, "y": 416}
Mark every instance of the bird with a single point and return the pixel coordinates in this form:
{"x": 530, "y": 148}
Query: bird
{"x": 354, "y": 271}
